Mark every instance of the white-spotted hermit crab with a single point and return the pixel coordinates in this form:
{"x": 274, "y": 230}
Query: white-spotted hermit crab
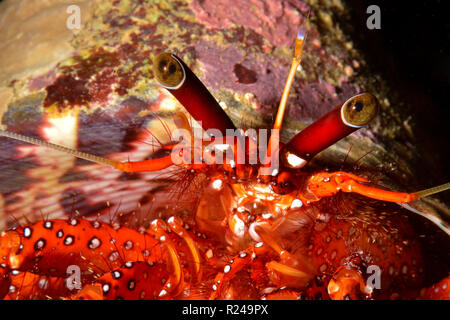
{"x": 263, "y": 228}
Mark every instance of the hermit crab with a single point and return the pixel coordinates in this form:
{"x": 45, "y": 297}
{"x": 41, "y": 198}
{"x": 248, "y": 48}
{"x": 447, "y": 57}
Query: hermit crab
{"x": 263, "y": 226}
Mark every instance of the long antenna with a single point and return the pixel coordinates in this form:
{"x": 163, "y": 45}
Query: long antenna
{"x": 433, "y": 190}
{"x": 76, "y": 153}
{"x": 128, "y": 166}
{"x": 296, "y": 60}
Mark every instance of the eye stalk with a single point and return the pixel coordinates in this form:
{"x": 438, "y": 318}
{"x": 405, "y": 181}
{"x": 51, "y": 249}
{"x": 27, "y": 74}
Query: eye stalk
{"x": 353, "y": 114}
{"x": 175, "y": 76}
{"x": 169, "y": 71}
{"x": 359, "y": 110}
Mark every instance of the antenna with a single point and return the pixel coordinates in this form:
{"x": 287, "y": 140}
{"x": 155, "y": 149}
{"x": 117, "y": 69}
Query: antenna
{"x": 76, "y": 153}
{"x": 128, "y": 166}
{"x": 296, "y": 60}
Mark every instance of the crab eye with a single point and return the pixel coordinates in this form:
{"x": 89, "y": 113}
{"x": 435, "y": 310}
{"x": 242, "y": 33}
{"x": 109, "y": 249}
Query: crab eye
{"x": 359, "y": 110}
{"x": 169, "y": 71}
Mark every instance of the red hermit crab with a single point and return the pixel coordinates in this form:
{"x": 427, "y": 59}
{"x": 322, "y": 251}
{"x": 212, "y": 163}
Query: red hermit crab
{"x": 264, "y": 226}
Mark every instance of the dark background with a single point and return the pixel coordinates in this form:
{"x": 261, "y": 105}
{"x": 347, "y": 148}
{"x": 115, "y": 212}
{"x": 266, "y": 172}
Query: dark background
{"x": 411, "y": 51}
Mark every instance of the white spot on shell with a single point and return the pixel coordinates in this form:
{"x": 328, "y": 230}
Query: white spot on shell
{"x": 94, "y": 243}
{"x": 405, "y": 269}
{"x": 39, "y": 244}
{"x": 391, "y": 270}
{"x": 96, "y": 224}
{"x": 131, "y": 284}
{"x": 43, "y": 284}
{"x": 323, "y": 267}
{"x": 114, "y": 256}
{"x": 105, "y": 288}
{"x": 68, "y": 240}
{"x": 128, "y": 245}
{"x": 27, "y": 232}
{"x": 333, "y": 255}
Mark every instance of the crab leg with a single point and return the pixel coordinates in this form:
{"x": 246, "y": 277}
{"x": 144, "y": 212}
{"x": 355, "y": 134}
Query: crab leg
{"x": 325, "y": 184}
{"x": 289, "y": 265}
{"x": 133, "y": 281}
{"x": 145, "y": 165}
{"x": 176, "y": 225}
{"x": 174, "y": 284}
{"x": 244, "y": 258}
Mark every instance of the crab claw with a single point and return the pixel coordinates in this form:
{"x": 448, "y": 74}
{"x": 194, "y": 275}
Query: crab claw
{"x": 325, "y": 184}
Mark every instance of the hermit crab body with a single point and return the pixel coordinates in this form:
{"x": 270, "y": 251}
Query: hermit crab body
{"x": 263, "y": 227}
